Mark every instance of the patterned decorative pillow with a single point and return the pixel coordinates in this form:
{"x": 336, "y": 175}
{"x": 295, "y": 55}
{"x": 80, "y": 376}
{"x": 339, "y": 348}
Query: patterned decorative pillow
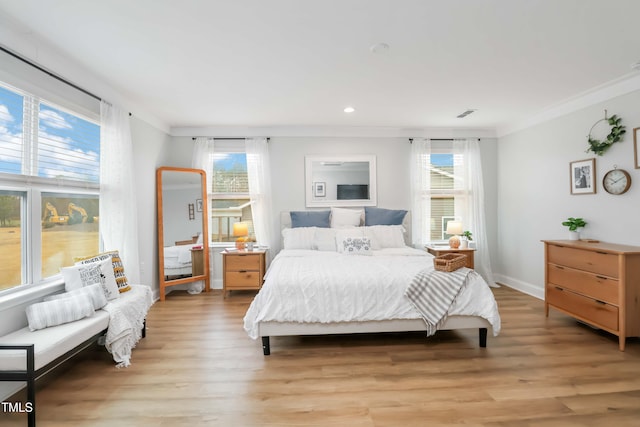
{"x": 118, "y": 268}
{"x": 52, "y": 313}
{"x": 356, "y": 246}
{"x": 94, "y": 292}
{"x": 101, "y": 272}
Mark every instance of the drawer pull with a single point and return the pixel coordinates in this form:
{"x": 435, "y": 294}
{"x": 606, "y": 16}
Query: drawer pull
{"x": 602, "y": 253}
{"x": 602, "y": 277}
{"x": 242, "y": 271}
{"x": 559, "y": 288}
{"x": 559, "y": 267}
{"x": 600, "y": 302}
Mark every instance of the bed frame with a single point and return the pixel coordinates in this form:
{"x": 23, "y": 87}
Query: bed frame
{"x": 274, "y": 329}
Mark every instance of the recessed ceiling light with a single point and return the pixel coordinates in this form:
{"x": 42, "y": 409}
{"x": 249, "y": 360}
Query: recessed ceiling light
{"x": 349, "y": 109}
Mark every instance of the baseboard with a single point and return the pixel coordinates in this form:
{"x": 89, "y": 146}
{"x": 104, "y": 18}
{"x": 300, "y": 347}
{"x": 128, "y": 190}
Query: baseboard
{"x": 519, "y": 285}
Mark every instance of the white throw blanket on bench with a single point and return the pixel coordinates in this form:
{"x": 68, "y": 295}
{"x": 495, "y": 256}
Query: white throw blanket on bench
{"x": 126, "y": 320}
{"x": 432, "y": 292}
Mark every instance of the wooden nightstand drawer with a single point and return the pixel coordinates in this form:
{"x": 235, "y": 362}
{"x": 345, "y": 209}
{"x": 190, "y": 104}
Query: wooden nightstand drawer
{"x": 243, "y": 262}
{"x": 596, "y": 286}
{"x": 587, "y": 309}
{"x": 595, "y": 262}
{"x": 243, "y": 279}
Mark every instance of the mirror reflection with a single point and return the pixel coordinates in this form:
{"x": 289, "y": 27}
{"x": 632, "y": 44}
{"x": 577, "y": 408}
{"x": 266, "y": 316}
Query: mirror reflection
{"x": 182, "y": 227}
{"x": 340, "y": 181}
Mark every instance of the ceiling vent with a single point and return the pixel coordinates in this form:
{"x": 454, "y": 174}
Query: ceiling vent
{"x": 465, "y": 114}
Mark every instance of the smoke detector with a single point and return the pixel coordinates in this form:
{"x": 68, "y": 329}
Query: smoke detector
{"x": 379, "y": 48}
{"x": 465, "y": 114}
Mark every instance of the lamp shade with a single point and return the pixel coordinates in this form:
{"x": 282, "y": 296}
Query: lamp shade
{"x": 454, "y": 227}
{"x": 240, "y": 229}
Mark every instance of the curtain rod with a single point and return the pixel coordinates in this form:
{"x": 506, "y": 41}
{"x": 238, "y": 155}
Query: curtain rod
{"x": 228, "y": 139}
{"x": 439, "y": 139}
{"x": 50, "y": 73}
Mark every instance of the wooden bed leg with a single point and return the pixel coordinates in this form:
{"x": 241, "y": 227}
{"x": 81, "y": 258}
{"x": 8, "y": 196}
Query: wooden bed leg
{"x": 266, "y": 348}
{"x": 483, "y": 337}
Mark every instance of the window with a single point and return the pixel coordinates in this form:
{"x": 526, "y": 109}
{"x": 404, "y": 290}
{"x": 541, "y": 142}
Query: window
{"x": 443, "y": 193}
{"x": 49, "y": 187}
{"x": 229, "y": 192}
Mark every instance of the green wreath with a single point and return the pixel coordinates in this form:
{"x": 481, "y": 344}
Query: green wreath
{"x": 617, "y": 131}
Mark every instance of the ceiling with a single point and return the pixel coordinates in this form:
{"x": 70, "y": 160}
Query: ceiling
{"x": 296, "y": 63}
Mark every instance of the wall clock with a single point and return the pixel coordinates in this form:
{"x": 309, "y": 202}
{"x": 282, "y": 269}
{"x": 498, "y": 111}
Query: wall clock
{"x": 616, "y": 181}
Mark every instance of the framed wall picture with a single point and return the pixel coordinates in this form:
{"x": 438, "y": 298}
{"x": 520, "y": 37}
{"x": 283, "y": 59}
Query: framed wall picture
{"x": 583, "y": 176}
{"x": 319, "y": 189}
{"x": 199, "y": 205}
{"x": 636, "y": 148}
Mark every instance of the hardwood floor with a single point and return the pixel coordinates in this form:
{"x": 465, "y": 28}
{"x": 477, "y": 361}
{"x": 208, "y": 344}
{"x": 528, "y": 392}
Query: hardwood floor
{"x": 198, "y": 367}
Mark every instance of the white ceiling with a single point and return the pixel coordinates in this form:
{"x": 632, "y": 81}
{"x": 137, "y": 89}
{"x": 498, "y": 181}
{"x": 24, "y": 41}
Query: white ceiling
{"x": 299, "y": 63}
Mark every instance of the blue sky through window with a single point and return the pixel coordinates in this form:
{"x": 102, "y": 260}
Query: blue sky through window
{"x": 442, "y": 159}
{"x": 68, "y": 145}
{"x": 230, "y": 161}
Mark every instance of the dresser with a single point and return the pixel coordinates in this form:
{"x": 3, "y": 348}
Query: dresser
{"x": 242, "y": 270}
{"x": 439, "y": 250}
{"x": 597, "y": 283}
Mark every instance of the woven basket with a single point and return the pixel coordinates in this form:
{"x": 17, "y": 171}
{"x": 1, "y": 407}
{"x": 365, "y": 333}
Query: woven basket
{"x": 449, "y": 262}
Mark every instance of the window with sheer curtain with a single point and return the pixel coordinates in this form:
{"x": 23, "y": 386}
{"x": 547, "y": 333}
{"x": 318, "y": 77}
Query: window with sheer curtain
{"x": 49, "y": 187}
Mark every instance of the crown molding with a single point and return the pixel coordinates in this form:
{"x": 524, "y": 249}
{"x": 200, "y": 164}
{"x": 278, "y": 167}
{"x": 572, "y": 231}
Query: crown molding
{"x": 628, "y": 83}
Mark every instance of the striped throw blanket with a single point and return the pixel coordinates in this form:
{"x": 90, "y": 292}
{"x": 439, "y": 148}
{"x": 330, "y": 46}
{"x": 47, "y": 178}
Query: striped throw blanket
{"x": 432, "y": 292}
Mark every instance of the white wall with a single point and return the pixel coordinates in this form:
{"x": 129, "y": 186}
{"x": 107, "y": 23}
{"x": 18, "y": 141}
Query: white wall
{"x": 393, "y": 177}
{"x": 534, "y": 191}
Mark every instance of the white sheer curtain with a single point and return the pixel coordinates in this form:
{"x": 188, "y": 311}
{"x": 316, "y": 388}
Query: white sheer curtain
{"x": 420, "y": 191}
{"x": 202, "y": 158}
{"x": 259, "y": 175}
{"x": 469, "y": 201}
{"x": 118, "y": 213}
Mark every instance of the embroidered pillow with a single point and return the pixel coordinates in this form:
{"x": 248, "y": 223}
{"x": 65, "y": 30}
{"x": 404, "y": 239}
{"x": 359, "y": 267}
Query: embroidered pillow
{"x": 81, "y": 275}
{"x": 118, "y": 268}
{"x": 94, "y": 292}
{"x": 52, "y": 313}
{"x": 356, "y": 246}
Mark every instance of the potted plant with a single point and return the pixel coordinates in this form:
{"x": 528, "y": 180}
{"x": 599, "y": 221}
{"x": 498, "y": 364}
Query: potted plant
{"x": 465, "y": 238}
{"x": 574, "y": 225}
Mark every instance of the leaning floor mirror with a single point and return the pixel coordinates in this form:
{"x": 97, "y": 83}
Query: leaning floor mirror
{"x": 183, "y": 250}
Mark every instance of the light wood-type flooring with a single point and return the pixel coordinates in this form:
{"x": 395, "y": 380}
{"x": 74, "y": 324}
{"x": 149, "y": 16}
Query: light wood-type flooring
{"x": 198, "y": 367}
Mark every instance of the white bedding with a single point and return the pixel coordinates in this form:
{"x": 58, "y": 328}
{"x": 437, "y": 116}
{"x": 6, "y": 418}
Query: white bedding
{"x": 324, "y": 287}
{"x": 177, "y": 259}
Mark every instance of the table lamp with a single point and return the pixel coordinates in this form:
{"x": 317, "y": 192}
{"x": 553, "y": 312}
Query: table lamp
{"x": 455, "y": 228}
{"x": 241, "y": 231}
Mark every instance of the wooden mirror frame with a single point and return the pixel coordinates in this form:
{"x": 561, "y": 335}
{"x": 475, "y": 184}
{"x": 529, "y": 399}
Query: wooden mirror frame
{"x": 164, "y": 283}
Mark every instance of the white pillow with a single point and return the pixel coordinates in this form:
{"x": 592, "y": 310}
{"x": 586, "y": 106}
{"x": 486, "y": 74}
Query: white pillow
{"x": 343, "y": 218}
{"x": 385, "y": 236}
{"x": 94, "y": 292}
{"x": 299, "y": 237}
{"x": 355, "y": 245}
{"x": 51, "y": 313}
{"x": 325, "y": 239}
{"x": 81, "y": 275}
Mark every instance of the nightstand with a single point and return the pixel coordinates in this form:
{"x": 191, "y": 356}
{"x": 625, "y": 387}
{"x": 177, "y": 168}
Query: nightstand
{"x": 442, "y": 250}
{"x": 242, "y": 270}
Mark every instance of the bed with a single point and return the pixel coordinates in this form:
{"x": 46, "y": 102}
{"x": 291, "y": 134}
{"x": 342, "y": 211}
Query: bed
{"x": 179, "y": 259}
{"x": 310, "y": 291}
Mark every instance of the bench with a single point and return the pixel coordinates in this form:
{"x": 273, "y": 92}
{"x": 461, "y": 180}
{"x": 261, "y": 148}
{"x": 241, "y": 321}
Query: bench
{"x": 27, "y": 355}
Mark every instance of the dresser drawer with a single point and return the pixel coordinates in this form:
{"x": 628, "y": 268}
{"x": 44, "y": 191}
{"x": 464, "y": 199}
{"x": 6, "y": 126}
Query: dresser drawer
{"x": 596, "y": 286}
{"x": 594, "y": 262}
{"x": 244, "y": 280}
{"x": 242, "y": 262}
{"x": 587, "y": 309}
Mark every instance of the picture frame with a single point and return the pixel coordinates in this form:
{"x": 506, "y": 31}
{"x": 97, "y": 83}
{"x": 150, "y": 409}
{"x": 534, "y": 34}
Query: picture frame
{"x": 319, "y": 189}
{"x": 636, "y": 149}
{"x": 199, "y": 205}
{"x": 582, "y": 176}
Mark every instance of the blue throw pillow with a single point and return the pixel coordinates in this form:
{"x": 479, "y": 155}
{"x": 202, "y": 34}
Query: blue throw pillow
{"x": 310, "y": 219}
{"x": 378, "y": 216}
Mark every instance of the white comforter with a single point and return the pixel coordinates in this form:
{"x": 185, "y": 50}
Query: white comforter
{"x": 323, "y": 287}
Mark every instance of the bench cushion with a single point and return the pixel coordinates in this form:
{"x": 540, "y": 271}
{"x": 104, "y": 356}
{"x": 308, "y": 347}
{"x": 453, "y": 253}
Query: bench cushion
{"x": 51, "y": 343}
